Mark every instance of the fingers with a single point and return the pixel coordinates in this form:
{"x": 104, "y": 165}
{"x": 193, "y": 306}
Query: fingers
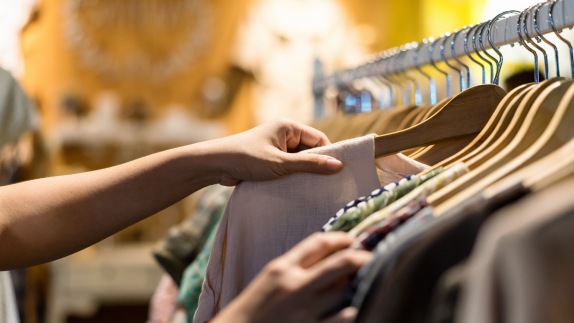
{"x": 329, "y": 301}
{"x": 318, "y": 246}
{"x": 347, "y": 315}
{"x": 312, "y": 137}
{"x": 337, "y": 267}
{"x": 311, "y": 163}
{"x": 299, "y": 135}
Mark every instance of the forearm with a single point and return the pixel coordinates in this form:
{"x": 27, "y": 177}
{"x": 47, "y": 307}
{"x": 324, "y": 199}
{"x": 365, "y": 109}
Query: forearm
{"x": 50, "y": 218}
{"x": 46, "y": 219}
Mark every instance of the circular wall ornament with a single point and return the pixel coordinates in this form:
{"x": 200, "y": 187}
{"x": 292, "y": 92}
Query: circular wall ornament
{"x": 137, "y": 38}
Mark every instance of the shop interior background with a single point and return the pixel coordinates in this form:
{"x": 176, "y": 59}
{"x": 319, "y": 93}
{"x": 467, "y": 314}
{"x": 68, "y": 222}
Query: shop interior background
{"x": 114, "y": 80}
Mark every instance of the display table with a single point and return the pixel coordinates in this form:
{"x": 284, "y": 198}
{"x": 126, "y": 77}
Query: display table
{"x": 80, "y": 283}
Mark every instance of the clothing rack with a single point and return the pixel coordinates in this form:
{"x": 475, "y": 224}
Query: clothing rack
{"x": 503, "y": 32}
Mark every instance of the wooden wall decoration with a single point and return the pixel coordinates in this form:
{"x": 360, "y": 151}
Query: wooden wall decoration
{"x": 127, "y": 39}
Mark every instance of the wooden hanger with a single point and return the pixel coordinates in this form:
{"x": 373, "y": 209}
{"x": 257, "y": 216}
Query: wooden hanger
{"x": 547, "y": 171}
{"x": 491, "y": 131}
{"x": 391, "y": 124}
{"x": 436, "y": 153}
{"x": 409, "y": 119}
{"x": 510, "y": 124}
{"x": 420, "y": 117}
{"x": 466, "y": 114}
{"x": 357, "y": 125}
{"x": 427, "y": 115}
{"x": 547, "y": 110}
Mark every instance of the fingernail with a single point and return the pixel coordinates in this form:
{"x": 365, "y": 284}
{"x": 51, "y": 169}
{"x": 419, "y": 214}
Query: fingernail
{"x": 349, "y": 314}
{"x": 334, "y": 165}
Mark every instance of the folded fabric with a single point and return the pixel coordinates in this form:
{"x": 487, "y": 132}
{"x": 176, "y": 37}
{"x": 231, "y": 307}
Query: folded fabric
{"x": 356, "y": 211}
{"x": 176, "y": 251}
{"x": 263, "y": 220}
{"x": 425, "y": 189}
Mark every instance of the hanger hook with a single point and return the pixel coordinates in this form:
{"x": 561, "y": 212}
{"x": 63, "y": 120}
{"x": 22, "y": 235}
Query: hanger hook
{"x": 391, "y": 75}
{"x": 474, "y": 38}
{"x": 535, "y": 19}
{"x": 387, "y": 74}
{"x": 536, "y": 76}
{"x": 431, "y": 50}
{"x": 452, "y": 42}
{"x": 396, "y": 55}
{"x": 470, "y": 56}
{"x": 371, "y": 70}
{"x": 533, "y": 43}
{"x": 444, "y": 38}
{"x": 417, "y": 89}
{"x": 551, "y": 19}
{"x": 378, "y": 73}
{"x": 499, "y": 68}
{"x": 432, "y": 84}
{"x": 480, "y": 34}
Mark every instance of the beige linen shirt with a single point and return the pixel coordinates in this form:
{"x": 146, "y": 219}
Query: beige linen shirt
{"x": 263, "y": 220}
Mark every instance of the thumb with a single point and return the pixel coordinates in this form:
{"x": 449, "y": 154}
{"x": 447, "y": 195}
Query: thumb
{"x": 311, "y": 163}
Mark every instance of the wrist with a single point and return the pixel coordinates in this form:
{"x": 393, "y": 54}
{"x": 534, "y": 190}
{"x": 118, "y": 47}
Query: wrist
{"x": 211, "y": 158}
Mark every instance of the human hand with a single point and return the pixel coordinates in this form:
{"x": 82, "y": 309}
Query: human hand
{"x": 266, "y": 153}
{"x": 304, "y": 285}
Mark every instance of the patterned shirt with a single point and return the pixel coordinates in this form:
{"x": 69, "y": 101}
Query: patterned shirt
{"x": 356, "y": 211}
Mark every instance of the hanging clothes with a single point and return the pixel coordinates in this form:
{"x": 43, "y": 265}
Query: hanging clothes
{"x": 263, "y": 220}
{"x": 194, "y": 276}
{"x": 163, "y": 302}
{"x": 521, "y": 267}
{"x": 369, "y": 239}
{"x": 17, "y": 113}
{"x": 178, "y": 249}
{"x": 8, "y": 309}
{"x": 398, "y": 285}
{"x": 356, "y": 211}
{"x": 431, "y": 186}
{"x": 394, "y": 168}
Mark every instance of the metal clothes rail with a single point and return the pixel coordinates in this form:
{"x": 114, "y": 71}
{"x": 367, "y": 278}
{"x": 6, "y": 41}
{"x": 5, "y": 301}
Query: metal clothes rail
{"x": 503, "y": 32}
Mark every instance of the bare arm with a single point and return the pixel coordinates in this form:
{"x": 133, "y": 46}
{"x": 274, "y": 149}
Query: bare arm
{"x": 46, "y": 219}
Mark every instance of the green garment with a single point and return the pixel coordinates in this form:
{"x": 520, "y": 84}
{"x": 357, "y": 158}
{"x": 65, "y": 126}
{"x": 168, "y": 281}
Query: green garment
{"x": 355, "y": 215}
{"x": 193, "y": 277}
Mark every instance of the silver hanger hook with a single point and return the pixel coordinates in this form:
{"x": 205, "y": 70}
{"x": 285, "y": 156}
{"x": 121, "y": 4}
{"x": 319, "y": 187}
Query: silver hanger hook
{"x": 432, "y": 84}
{"x": 395, "y": 58}
{"x": 536, "y": 76}
{"x": 533, "y": 43}
{"x": 452, "y": 42}
{"x": 379, "y": 72}
{"x": 431, "y": 50}
{"x": 385, "y": 74}
{"x": 371, "y": 71}
{"x": 501, "y": 59}
{"x": 535, "y": 19}
{"x": 551, "y": 18}
{"x": 470, "y": 56}
{"x": 417, "y": 89}
{"x": 390, "y": 75}
{"x": 444, "y": 38}
{"x": 480, "y": 34}
{"x": 474, "y": 38}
